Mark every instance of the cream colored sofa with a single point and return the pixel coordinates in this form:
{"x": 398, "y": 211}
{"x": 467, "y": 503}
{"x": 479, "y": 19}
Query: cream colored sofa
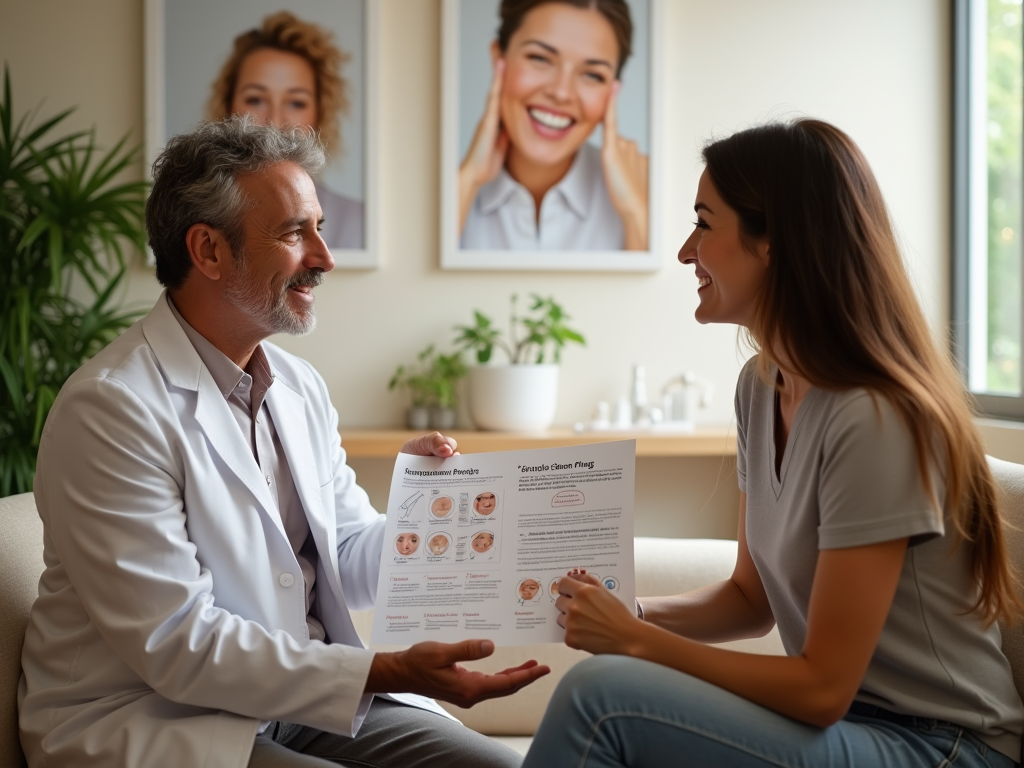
{"x": 663, "y": 566}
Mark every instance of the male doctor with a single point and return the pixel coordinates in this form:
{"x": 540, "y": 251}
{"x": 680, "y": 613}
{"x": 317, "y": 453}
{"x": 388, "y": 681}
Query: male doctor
{"x": 204, "y": 538}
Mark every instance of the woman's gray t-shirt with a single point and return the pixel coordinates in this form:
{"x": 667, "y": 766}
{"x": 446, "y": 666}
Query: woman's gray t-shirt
{"x": 849, "y": 477}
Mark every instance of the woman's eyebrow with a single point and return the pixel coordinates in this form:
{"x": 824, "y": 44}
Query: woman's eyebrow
{"x": 551, "y": 49}
{"x": 262, "y": 87}
{"x": 702, "y": 207}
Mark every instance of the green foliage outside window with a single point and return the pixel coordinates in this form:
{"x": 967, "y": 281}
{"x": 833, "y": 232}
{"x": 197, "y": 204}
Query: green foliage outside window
{"x": 1005, "y": 136}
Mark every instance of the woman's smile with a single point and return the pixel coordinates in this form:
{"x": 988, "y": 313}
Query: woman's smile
{"x": 550, "y": 124}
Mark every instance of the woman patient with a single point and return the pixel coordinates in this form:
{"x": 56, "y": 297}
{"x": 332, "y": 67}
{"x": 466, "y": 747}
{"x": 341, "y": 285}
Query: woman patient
{"x": 869, "y": 529}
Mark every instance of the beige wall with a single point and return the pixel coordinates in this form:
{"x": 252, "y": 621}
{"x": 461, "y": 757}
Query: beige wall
{"x": 876, "y": 68}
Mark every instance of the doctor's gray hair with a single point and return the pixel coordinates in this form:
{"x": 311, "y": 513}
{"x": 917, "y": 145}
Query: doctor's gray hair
{"x": 195, "y": 181}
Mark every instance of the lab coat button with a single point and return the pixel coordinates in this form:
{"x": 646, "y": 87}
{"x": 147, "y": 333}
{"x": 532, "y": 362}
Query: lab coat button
{"x": 286, "y": 580}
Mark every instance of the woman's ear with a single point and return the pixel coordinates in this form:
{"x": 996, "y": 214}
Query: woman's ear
{"x": 495, "y": 52}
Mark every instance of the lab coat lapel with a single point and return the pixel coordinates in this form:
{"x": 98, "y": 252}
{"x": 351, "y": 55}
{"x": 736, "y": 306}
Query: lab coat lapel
{"x": 288, "y": 410}
{"x": 221, "y": 429}
{"x": 184, "y": 368}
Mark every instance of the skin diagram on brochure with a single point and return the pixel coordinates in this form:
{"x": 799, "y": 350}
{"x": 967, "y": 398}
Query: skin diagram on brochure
{"x": 475, "y": 544}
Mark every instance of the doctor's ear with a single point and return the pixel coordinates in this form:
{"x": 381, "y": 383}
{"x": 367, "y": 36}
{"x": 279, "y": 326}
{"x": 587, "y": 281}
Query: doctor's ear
{"x": 209, "y": 250}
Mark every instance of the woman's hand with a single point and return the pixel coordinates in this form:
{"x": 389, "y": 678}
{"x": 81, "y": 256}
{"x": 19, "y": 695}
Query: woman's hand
{"x": 486, "y": 154}
{"x": 594, "y": 620}
{"x": 625, "y": 177}
{"x": 434, "y": 444}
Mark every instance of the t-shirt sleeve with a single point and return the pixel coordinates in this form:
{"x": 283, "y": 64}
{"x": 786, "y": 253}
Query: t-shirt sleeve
{"x": 741, "y": 403}
{"x": 870, "y": 485}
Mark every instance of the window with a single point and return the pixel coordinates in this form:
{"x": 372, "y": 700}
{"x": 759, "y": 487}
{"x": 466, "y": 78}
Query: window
{"x": 988, "y": 236}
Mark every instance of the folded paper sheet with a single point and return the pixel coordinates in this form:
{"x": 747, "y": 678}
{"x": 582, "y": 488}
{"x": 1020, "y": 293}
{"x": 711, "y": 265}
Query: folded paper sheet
{"x": 475, "y": 544}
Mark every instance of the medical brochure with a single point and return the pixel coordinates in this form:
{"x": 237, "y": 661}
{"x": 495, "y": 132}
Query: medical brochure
{"x": 475, "y": 544}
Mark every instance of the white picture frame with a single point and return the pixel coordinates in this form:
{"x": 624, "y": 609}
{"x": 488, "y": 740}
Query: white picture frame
{"x": 208, "y": 45}
{"x": 646, "y": 43}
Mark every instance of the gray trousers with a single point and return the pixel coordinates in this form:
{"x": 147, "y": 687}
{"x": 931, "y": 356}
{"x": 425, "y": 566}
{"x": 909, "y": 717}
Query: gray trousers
{"x": 392, "y": 736}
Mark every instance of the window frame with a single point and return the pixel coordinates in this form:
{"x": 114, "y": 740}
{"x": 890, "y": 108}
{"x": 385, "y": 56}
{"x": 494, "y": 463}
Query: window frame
{"x": 999, "y": 406}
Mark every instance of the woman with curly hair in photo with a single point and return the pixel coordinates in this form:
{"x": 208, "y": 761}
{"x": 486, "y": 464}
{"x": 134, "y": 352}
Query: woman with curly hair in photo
{"x": 287, "y": 73}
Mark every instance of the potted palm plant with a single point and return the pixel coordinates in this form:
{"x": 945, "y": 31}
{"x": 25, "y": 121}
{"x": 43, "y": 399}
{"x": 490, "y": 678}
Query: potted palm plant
{"x": 66, "y": 221}
{"x": 522, "y": 394}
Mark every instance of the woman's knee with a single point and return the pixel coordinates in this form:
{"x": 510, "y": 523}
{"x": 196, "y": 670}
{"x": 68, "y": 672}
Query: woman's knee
{"x": 604, "y": 681}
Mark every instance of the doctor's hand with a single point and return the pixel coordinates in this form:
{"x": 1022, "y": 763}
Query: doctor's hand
{"x": 434, "y": 444}
{"x": 593, "y": 618}
{"x": 486, "y": 154}
{"x": 433, "y": 669}
{"x": 625, "y": 177}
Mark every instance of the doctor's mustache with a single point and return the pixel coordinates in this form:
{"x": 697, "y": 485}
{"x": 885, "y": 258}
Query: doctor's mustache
{"x": 312, "y": 278}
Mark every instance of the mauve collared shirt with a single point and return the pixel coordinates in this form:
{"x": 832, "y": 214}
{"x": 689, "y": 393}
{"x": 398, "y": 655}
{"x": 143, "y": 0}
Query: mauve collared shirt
{"x": 245, "y": 393}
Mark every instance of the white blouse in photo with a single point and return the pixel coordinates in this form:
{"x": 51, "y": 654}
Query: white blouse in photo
{"x": 575, "y": 215}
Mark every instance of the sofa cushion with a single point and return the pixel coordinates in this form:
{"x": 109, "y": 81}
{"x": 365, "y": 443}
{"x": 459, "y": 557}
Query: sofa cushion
{"x": 1010, "y": 481}
{"x": 21, "y": 563}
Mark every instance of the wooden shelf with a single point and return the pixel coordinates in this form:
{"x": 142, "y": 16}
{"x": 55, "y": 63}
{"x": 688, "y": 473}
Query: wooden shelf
{"x": 705, "y": 441}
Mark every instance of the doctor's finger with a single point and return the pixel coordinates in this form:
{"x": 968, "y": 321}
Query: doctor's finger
{"x": 493, "y": 686}
{"x": 525, "y": 665}
{"x": 467, "y": 650}
{"x": 434, "y": 444}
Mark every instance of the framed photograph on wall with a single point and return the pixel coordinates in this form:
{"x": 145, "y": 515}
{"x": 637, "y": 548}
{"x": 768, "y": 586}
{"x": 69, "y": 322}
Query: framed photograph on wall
{"x": 304, "y": 62}
{"x": 549, "y": 139}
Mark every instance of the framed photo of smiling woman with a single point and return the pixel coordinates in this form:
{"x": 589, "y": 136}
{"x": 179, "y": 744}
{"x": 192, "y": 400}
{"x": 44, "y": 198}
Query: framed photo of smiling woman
{"x": 549, "y": 135}
{"x": 304, "y": 63}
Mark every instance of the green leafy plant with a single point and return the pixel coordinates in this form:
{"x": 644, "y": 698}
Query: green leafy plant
{"x": 432, "y": 380}
{"x": 530, "y": 339}
{"x": 65, "y": 224}
{"x": 446, "y": 371}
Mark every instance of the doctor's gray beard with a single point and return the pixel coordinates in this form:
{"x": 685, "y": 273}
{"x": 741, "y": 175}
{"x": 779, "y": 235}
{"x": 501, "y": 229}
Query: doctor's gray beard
{"x": 268, "y": 308}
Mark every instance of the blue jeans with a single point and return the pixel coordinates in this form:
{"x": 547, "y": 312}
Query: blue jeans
{"x": 618, "y": 711}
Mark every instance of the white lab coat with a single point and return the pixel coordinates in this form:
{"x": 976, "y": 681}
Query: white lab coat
{"x": 171, "y": 614}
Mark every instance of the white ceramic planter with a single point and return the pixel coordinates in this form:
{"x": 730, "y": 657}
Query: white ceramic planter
{"x": 513, "y": 397}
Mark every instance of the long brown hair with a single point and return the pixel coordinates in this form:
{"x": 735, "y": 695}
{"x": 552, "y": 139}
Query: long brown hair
{"x": 839, "y": 308}
{"x": 282, "y": 31}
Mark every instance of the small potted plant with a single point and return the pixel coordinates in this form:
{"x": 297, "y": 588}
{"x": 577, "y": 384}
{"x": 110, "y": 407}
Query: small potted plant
{"x": 445, "y": 372}
{"x": 416, "y": 379}
{"x": 431, "y": 383}
{"x": 523, "y": 394}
